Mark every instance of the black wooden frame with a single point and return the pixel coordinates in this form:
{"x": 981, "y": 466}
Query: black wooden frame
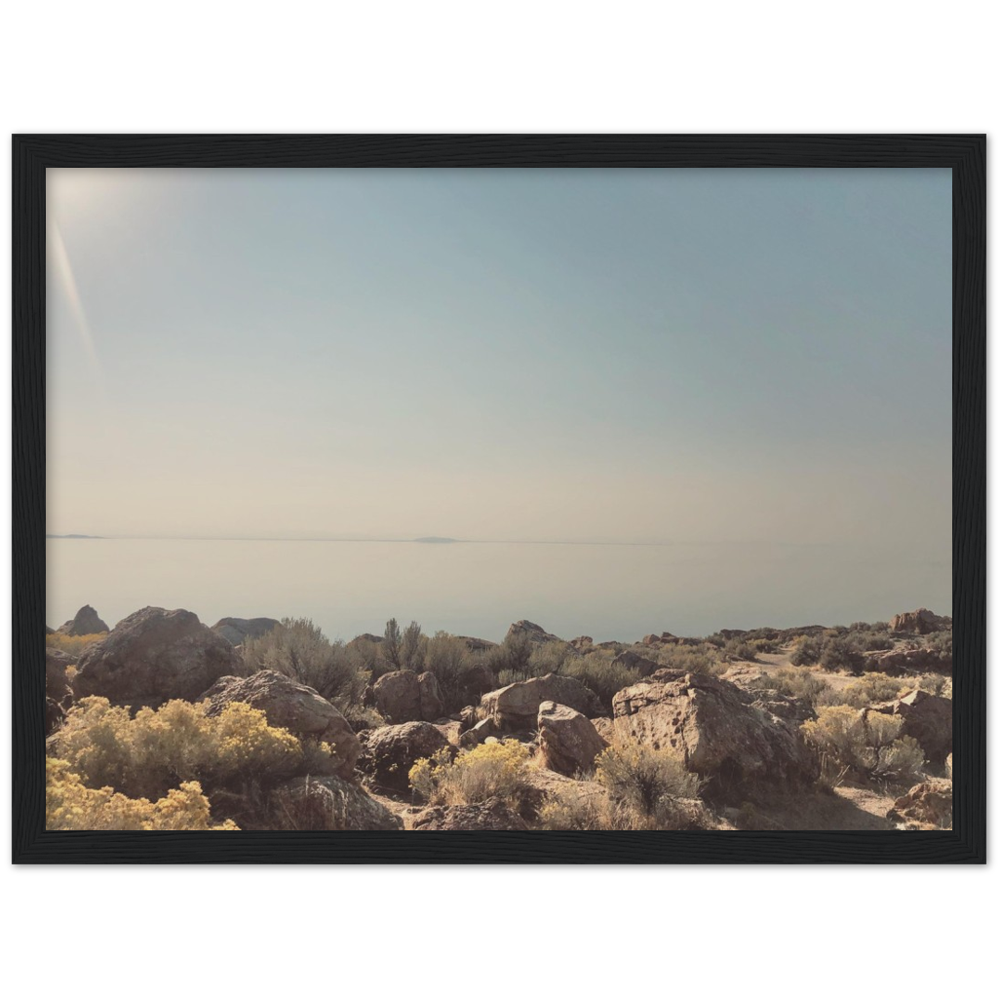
{"x": 964, "y": 154}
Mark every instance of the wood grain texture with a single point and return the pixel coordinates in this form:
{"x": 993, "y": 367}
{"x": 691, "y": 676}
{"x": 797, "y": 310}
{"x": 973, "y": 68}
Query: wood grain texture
{"x": 965, "y": 155}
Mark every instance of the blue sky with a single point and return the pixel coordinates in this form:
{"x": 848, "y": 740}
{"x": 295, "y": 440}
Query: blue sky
{"x": 634, "y": 355}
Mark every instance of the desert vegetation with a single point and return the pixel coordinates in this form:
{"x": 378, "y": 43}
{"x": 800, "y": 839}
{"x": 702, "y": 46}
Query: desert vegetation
{"x": 163, "y": 723}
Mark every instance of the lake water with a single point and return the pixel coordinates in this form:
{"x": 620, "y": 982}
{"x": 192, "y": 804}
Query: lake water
{"x": 478, "y": 588}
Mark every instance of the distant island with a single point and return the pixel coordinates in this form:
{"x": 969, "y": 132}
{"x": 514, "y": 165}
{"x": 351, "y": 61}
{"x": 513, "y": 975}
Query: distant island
{"x": 74, "y": 536}
{"x": 436, "y": 541}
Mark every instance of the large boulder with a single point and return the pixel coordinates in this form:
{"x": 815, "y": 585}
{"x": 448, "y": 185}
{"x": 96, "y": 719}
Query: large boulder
{"x": 235, "y": 630}
{"x": 927, "y": 718}
{"x": 636, "y": 661}
{"x": 86, "y": 622}
{"x": 919, "y": 622}
{"x": 327, "y": 803}
{"x": 490, "y": 815}
{"x": 926, "y": 806}
{"x": 391, "y": 751}
{"x": 908, "y": 660}
{"x": 515, "y": 707}
{"x": 292, "y": 706}
{"x": 152, "y": 656}
{"x": 404, "y": 696}
{"x": 532, "y": 632}
{"x": 567, "y": 741}
{"x": 713, "y": 728}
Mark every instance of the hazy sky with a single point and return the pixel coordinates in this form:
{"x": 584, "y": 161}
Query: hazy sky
{"x": 697, "y": 355}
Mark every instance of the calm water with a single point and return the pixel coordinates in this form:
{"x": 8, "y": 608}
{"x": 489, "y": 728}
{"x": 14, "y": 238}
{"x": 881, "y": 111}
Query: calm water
{"x": 471, "y": 588}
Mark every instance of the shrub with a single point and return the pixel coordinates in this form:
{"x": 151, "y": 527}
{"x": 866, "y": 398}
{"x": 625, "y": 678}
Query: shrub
{"x": 871, "y": 688}
{"x": 71, "y": 805}
{"x": 413, "y": 648}
{"x": 488, "y": 770}
{"x": 73, "y": 644}
{"x": 838, "y": 654}
{"x": 796, "y": 683}
{"x": 460, "y": 672}
{"x": 513, "y": 654}
{"x": 865, "y": 743}
{"x": 807, "y": 652}
{"x": 940, "y": 642}
{"x": 159, "y": 750}
{"x": 645, "y": 783}
{"x": 298, "y": 649}
{"x": 739, "y": 649}
{"x": 701, "y": 659}
{"x": 391, "y": 645}
{"x": 602, "y": 676}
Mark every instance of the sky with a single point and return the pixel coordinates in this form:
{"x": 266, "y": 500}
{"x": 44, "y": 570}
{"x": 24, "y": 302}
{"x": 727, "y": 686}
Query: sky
{"x": 640, "y": 355}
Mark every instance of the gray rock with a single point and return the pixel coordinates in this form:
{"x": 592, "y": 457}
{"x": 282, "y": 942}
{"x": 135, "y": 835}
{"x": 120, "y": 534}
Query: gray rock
{"x": 391, "y": 751}
{"x": 153, "y": 656}
{"x": 515, "y": 707}
{"x": 236, "y": 630}
{"x": 327, "y": 803}
{"x": 567, "y": 741}
{"x": 86, "y": 622}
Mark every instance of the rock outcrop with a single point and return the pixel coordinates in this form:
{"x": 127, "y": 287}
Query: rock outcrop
{"x": 389, "y": 753}
{"x": 927, "y": 718}
{"x": 327, "y": 803}
{"x": 714, "y": 730}
{"x": 926, "y": 806}
{"x": 908, "y": 660}
{"x": 919, "y": 622}
{"x": 152, "y": 656}
{"x": 636, "y": 661}
{"x": 235, "y": 630}
{"x": 292, "y": 706}
{"x": 567, "y": 741}
{"x": 515, "y": 707}
{"x": 404, "y": 696}
{"x": 532, "y": 632}
{"x": 86, "y": 622}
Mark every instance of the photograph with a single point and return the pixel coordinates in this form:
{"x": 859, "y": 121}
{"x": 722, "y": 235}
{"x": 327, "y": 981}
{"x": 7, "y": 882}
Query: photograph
{"x": 512, "y": 499}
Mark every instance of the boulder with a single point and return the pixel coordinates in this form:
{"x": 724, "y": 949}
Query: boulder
{"x": 515, "y": 707}
{"x": 636, "y": 661}
{"x": 919, "y": 622}
{"x": 327, "y": 803}
{"x": 711, "y": 726}
{"x": 567, "y": 741}
{"x": 292, "y": 706}
{"x": 235, "y": 630}
{"x": 908, "y": 660}
{"x": 404, "y": 696}
{"x": 926, "y": 806}
{"x": 152, "y": 656}
{"x": 365, "y": 637}
{"x": 390, "y": 752}
{"x": 86, "y": 622}
{"x": 490, "y": 815}
{"x": 479, "y": 733}
{"x": 927, "y": 718}
{"x": 532, "y": 632}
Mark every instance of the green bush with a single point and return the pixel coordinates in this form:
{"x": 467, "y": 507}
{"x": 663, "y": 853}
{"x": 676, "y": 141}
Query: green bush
{"x": 158, "y": 750}
{"x": 603, "y": 677}
{"x": 299, "y": 650}
{"x": 513, "y": 654}
{"x": 739, "y": 649}
{"x": 871, "y": 688}
{"x": 461, "y": 674}
{"x": 865, "y": 744}
{"x": 794, "y": 682}
{"x": 71, "y": 805}
{"x": 807, "y": 652}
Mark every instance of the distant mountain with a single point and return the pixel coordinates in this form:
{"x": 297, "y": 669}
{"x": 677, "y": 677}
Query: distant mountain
{"x": 436, "y": 541}
{"x": 74, "y": 536}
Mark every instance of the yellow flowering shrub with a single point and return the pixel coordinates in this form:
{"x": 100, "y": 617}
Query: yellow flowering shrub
{"x": 491, "y": 769}
{"x": 156, "y": 751}
{"x": 73, "y": 644}
{"x": 70, "y": 805}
